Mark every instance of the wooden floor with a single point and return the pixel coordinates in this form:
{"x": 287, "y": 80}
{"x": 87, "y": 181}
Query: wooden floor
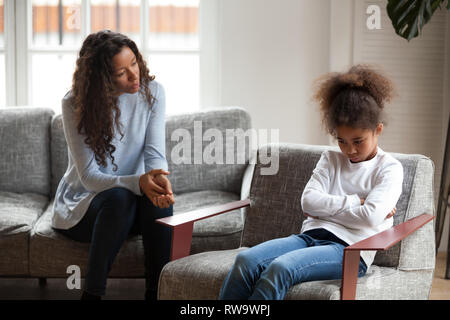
{"x": 440, "y": 290}
{"x": 133, "y": 289}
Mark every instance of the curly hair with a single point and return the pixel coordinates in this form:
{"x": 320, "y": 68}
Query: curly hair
{"x": 93, "y": 89}
{"x": 355, "y": 98}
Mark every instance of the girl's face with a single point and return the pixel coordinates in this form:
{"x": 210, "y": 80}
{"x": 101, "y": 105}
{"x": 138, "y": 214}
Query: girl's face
{"x": 358, "y": 144}
{"x": 126, "y": 71}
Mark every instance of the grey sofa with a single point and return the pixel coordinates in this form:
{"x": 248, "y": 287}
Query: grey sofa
{"x": 33, "y": 158}
{"x": 401, "y": 271}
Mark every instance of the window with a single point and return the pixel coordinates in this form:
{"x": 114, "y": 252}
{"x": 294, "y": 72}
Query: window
{"x": 49, "y": 33}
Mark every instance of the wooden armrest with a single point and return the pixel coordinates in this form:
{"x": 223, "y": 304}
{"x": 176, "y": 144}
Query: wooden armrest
{"x": 380, "y": 241}
{"x": 183, "y": 224}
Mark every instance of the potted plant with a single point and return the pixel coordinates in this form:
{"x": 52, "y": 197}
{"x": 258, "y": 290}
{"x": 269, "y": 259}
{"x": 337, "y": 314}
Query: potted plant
{"x": 410, "y": 16}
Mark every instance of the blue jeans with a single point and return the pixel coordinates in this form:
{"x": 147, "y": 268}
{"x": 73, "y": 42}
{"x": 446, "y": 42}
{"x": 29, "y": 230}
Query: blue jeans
{"x": 112, "y": 216}
{"x": 267, "y": 271}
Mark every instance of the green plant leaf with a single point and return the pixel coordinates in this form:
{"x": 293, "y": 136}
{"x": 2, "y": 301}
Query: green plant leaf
{"x": 410, "y": 16}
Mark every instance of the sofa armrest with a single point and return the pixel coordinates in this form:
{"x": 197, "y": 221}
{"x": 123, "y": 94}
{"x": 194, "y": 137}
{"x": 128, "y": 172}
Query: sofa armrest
{"x": 183, "y": 224}
{"x": 380, "y": 241}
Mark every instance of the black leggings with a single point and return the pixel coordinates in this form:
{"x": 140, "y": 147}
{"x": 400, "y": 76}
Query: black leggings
{"x": 112, "y": 215}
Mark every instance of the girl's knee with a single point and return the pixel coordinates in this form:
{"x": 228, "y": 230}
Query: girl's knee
{"x": 277, "y": 268}
{"x": 244, "y": 259}
{"x": 243, "y": 264}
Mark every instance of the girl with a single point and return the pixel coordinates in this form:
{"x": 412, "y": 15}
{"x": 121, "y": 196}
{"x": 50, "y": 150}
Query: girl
{"x": 351, "y": 195}
{"x": 114, "y": 107}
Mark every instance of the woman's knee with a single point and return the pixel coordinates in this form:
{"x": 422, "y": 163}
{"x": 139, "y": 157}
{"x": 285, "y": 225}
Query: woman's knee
{"x": 118, "y": 201}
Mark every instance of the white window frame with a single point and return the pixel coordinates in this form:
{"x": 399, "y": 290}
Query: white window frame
{"x": 9, "y": 51}
{"x": 19, "y": 49}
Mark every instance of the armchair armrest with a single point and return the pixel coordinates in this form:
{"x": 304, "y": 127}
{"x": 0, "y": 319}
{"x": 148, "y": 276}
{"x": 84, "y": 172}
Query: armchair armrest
{"x": 380, "y": 241}
{"x": 183, "y": 224}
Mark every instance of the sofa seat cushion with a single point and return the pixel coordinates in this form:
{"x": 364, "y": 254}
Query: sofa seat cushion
{"x": 220, "y": 232}
{"x": 222, "y": 224}
{"x": 51, "y": 253}
{"x": 18, "y": 213}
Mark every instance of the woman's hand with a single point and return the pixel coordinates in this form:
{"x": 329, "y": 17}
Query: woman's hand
{"x": 157, "y": 187}
{"x": 163, "y": 200}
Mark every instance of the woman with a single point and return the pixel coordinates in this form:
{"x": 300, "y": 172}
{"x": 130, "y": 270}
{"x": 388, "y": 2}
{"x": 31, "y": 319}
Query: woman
{"x": 116, "y": 181}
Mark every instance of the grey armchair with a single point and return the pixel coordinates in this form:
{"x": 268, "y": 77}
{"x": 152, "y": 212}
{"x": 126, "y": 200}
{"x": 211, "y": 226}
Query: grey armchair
{"x": 404, "y": 264}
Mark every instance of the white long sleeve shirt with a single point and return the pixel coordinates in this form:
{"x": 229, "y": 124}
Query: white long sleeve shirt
{"x": 333, "y": 194}
{"x": 141, "y": 149}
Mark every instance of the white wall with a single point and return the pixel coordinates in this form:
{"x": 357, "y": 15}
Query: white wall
{"x": 270, "y": 51}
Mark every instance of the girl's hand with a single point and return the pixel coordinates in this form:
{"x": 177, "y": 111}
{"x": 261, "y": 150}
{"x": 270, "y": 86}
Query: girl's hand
{"x": 391, "y": 214}
{"x": 155, "y": 185}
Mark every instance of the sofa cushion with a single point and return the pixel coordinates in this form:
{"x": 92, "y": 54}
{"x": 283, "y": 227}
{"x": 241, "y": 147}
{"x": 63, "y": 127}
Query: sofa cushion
{"x": 222, "y": 224}
{"x": 198, "y": 131}
{"x": 25, "y": 149}
{"x": 51, "y": 253}
{"x": 216, "y": 233}
{"x": 18, "y": 213}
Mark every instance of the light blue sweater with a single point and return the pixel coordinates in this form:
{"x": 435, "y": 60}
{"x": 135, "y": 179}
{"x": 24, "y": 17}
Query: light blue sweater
{"x": 141, "y": 149}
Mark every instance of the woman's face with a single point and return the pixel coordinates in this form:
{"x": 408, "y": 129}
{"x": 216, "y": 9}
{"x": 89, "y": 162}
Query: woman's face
{"x": 126, "y": 71}
{"x": 358, "y": 144}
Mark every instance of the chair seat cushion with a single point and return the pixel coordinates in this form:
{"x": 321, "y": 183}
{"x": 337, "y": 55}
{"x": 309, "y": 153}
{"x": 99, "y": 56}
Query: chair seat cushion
{"x": 200, "y": 277}
{"x": 18, "y": 213}
{"x": 196, "y": 277}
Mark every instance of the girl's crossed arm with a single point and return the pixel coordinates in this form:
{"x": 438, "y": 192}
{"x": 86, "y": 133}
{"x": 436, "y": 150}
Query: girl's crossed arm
{"x": 316, "y": 200}
{"x": 378, "y": 205}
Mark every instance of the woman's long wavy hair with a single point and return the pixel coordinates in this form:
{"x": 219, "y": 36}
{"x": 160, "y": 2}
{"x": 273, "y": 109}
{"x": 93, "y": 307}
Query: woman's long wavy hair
{"x": 95, "y": 99}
